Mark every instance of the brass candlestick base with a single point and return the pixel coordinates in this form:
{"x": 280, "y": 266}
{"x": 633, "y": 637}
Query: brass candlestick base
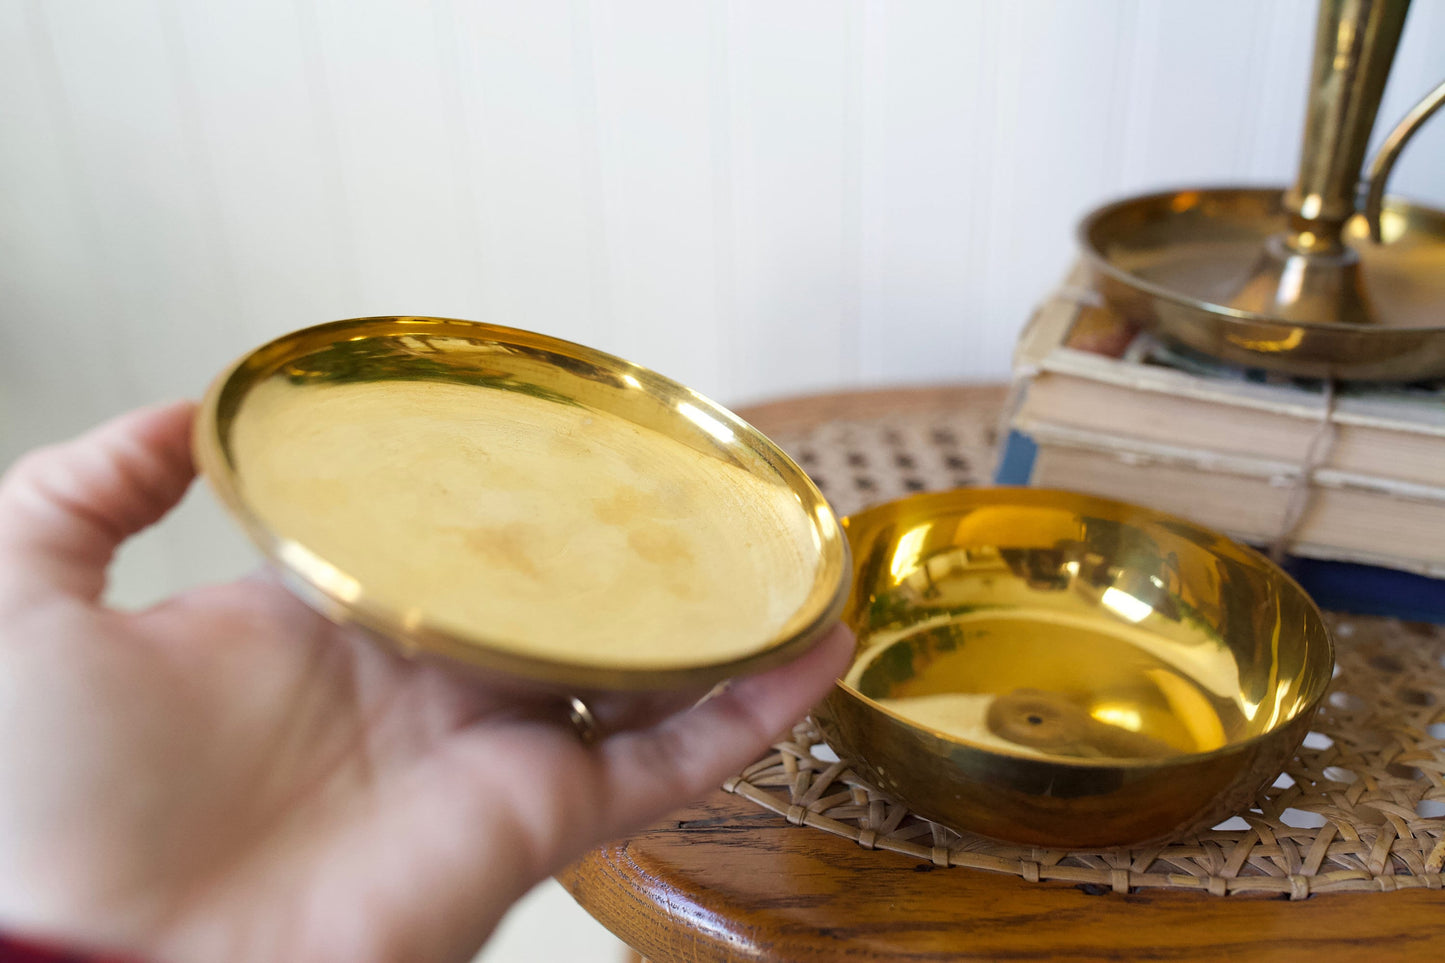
{"x": 1206, "y": 268}
{"x": 1319, "y": 280}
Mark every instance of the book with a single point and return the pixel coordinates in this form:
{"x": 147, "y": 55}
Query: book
{"x": 1362, "y": 581}
{"x": 1339, "y": 517}
{"x": 1349, "y": 478}
{"x": 1084, "y": 367}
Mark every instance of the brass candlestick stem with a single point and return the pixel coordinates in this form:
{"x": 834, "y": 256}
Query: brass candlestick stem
{"x": 1355, "y": 43}
{"x": 1308, "y": 272}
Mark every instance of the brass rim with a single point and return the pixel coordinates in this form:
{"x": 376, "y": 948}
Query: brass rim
{"x": 1088, "y": 244}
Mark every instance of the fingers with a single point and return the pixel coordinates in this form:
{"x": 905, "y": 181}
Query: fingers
{"x": 66, "y": 508}
{"x": 651, "y": 772}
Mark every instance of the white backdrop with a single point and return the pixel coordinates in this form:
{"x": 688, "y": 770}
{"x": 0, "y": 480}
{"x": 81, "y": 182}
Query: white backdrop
{"x": 757, "y": 197}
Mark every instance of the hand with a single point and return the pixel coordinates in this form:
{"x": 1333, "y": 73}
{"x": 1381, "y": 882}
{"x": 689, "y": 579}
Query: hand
{"x": 228, "y": 776}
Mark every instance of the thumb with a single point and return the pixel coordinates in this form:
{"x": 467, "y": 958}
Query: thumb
{"x": 65, "y": 509}
{"x": 652, "y": 772}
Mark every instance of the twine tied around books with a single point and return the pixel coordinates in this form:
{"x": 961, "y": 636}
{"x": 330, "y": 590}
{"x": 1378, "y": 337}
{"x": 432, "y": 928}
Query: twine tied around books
{"x": 1302, "y": 489}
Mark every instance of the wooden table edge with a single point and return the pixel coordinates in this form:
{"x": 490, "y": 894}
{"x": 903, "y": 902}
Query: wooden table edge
{"x": 632, "y": 887}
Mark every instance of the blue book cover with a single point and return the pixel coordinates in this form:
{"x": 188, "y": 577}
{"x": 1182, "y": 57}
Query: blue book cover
{"x": 1337, "y": 586}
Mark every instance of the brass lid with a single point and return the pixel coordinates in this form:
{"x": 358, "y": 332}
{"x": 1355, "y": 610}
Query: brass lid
{"x": 522, "y": 504}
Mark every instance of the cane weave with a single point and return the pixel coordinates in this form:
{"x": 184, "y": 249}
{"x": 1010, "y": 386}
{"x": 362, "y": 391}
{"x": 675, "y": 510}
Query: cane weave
{"x": 1361, "y": 806}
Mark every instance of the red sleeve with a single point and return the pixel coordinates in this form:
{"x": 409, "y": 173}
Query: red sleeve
{"x": 14, "y": 950}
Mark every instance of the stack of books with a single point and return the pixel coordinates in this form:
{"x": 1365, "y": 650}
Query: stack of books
{"x": 1347, "y": 480}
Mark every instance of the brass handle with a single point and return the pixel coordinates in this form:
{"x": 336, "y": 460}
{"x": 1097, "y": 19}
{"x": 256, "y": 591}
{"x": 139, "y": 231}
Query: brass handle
{"x": 1390, "y": 152}
{"x": 1355, "y": 43}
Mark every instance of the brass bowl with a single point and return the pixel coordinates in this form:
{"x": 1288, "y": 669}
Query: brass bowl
{"x": 1186, "y": 264}
{"x": 1060, "y": 670}
{"x": 523, "y": 505}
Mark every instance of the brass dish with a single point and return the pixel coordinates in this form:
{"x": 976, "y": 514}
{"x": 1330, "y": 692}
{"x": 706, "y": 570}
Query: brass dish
{"x": 1060, "y": 670}
{"x": 520, "y": 504}
{"x": 1182, "y": 263}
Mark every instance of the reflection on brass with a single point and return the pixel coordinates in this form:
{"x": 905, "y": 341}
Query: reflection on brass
{"x": 1069, "y": 671}
{"x": 1054, "y": 725}
{"x": 1297, "y": 281}
{"x": 522, "y": 504}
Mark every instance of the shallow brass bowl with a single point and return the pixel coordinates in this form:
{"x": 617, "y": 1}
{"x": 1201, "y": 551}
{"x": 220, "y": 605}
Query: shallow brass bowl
{"x": 521, "y": 504}
{"x": 1067, "y": 671}
{"x": 1178, "y": 261}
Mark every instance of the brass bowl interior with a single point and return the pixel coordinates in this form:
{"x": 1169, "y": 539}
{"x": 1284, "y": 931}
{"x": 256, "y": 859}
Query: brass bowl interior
{"x": 1178, "y": 261}
{"x": 522, "y": 504}
{"x": 1052, "y": 668}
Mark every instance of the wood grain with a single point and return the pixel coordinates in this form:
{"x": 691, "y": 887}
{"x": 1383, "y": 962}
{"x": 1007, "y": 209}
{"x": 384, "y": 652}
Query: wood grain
{"x": 725, "y": 881}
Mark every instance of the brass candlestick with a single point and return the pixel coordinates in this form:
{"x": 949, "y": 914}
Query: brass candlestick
{"x": 1327, "y": 278}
